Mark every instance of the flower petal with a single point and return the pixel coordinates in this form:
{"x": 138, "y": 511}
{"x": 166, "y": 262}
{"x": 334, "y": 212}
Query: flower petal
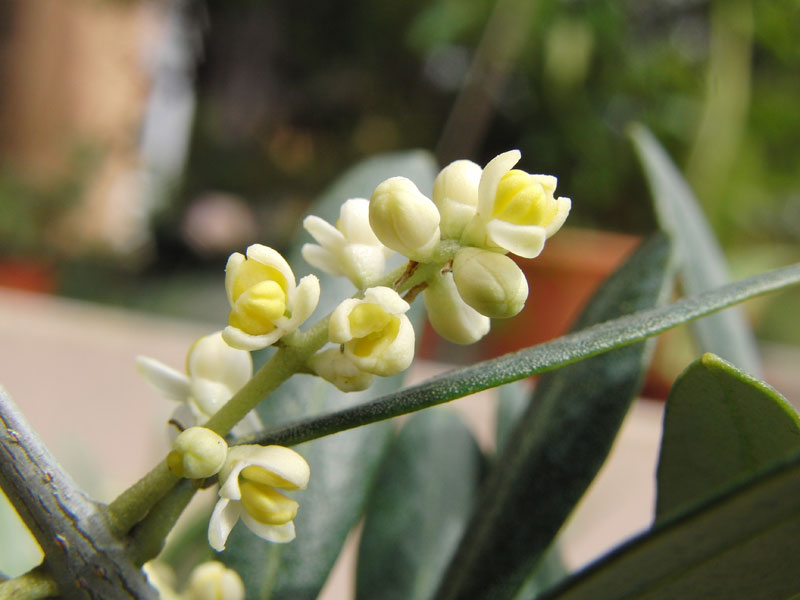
{"x": 271, "y": 257}
{"x": 492, "y": 174}
{"x": 232, "y": 267}
{"x": 213, "y": 359}
{"x": 387, "y": 298}
{"x": 302, "y": 302}
{"x": 166, "y": 380}
{"x": 279, "y": 534}
{"x": 526, "y": 241}
{"x": 339, "y": 323}
{"x": 354, "y": 222}
{"x": 322, "y": 259}
{"x": 563, "y": 206}
{"x": 323, "y": 232}
{"x": 237, "y": 338}
{"x": 224, "y": 517}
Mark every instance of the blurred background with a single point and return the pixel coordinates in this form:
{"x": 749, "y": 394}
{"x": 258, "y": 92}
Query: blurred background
{"x": 142, "y": 141}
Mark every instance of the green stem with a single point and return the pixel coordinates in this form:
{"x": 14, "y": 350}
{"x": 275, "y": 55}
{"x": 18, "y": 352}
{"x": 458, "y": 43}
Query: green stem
{"x": 147, "y": 538}
{"x": 134, "y": 503}
{"x": 32, "y": 585}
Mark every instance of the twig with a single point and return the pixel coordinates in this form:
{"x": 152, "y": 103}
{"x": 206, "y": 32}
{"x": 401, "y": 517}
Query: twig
{"x": 83, "y": 557}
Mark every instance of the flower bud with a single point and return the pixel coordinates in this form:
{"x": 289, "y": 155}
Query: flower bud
{"x": 213, "y": 581}
{"x": 455, "y": 193}
{"x": 490, "y": 282}
{"x": 197, "y": 453}
{"x": 335, "y": 366}
{"x": 404, "y": 219}
{"x": 450, "y": 316}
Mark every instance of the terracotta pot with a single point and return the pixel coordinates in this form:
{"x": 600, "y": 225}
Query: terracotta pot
{"x": 29, "y": 275}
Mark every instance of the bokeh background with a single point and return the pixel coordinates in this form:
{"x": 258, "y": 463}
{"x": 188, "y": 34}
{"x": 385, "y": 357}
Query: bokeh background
{"x": 142, "y": 141}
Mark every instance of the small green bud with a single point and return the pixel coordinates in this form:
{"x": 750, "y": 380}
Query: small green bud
{"x": 197, "y": 453}
{"x": 490, "y": 282}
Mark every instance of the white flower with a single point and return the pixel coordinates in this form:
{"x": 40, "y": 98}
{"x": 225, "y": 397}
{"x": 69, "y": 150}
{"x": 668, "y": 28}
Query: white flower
{"x": 404, "y": 219}
{"x": 250, "y": 480}
{"x": 266, "y": 304}
{"x": 490, "y": 282}
{"x": 197, "y": 453}
{"x": 335, "y": 366}
{"x": 214, "y": 373}
{"x": 162, "y": 578}
{"x": 350, "y": 249}
{"x": 517, "y": 211}
{"x": 214, "y": 581}
{"x": 455, "y": 193}
{"x": 375, "y": 333}
{"x": 450, "y": 316}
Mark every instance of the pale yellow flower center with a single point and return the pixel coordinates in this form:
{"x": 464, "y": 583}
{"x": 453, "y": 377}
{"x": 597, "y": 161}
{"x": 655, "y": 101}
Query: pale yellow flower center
{"x": 373, "y": 329}
{"x": 267, "y": 477}
{"x": 522, "y": 200}
{"x": 259, "y": 298}
{"x": 265, "y": 504}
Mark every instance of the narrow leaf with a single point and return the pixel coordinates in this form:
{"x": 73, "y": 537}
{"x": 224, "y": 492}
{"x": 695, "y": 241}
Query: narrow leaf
{"x": 535, "y": 360}
{"x": 342, "y": 467}
{"x": 559, "y": 444}
{"x": 702, "y": 264}
{"x": 741, "y": 545}
{"x": 419, "y": 508}
{"x": 721, "y": 426}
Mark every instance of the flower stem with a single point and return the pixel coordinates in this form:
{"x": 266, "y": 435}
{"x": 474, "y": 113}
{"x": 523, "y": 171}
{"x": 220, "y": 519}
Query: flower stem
{"x": 134, "y": 503}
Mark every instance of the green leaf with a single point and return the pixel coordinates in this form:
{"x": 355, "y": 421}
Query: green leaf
{"x": 537, "y": 359}
{"x": 513, "y": 399}
{"x": 702, "y": 264}
{"x": 419, "y": 508}
{"x": 559, "y": 444}
{"x": 741, "y": 545}
{"x": 342, "y": 467}
{"x": 721, "y": 427}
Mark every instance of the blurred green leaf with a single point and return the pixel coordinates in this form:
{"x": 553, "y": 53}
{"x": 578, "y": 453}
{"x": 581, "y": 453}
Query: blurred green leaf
{"x": 741, "y": 545}
{"x": 419, "y": 508}
{"x": 559, "y": 444}
{"x": 511, "y": 404}
{"x": 721, "y": 427}
{"x": 702, "y": 264}
{"x": 342, "y": 467}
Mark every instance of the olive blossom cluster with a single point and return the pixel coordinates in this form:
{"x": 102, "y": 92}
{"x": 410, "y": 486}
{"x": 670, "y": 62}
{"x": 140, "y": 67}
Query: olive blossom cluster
{"x": 457, "y": 245}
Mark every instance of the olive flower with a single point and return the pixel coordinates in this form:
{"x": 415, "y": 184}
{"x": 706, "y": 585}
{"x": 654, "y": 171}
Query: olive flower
{"x": 350, "y": 248}
{"x": 455, "y": 193}
{"x": 490, "y": 282}
{"x": 450, "y": 316}
{"x": 374, "y": 332}
{"x": 266, "y": 303}
{"x": 250, "y": 482}
{"x": 517, "y": 211}
{"x": 214, "y": 373}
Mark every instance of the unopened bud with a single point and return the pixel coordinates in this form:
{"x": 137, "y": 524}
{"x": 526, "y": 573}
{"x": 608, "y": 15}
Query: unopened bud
{"x": 197, "y": 453}
{"x": 490, "y": 282}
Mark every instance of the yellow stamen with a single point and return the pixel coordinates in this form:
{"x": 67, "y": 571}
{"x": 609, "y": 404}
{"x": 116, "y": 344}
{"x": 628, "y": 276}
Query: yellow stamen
{"x": 265, "y": 504}
{"x": 522, "y": 200}
{"x": 251, "y": 272}
{"x": 256, "y": 310}
{"x": 262, "y": 475}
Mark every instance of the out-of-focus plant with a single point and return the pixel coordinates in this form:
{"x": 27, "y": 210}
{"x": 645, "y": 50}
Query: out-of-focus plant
{"x": 441, "y": 520}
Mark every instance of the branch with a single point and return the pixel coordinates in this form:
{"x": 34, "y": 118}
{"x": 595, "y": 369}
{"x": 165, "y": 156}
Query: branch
{"x": 83, "y": 557}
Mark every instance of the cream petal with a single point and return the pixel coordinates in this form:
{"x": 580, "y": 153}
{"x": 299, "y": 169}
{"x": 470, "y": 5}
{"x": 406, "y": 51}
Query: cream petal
{"x": 237, "y": 338}
{"x": 354, "y": 222}
{"x": 223, "y": 519}
{"x": 337, "y": 368}
{"x": 387, "y": 298}
{"x": 284, "y": 462}
{"x": 166, "y": 380}
{"x": 322, "y": 259}
{"x": 232, "y": 267}
{"x": 272, "y": 258}
{"x": 526, "y": 241}
{"x": 302, "y": 302}
{"x": 339, "y": 322}
{"x": 324, "y": 233}
{"x": 363, "y": 263}
{"x": 213, "y": 359}
{"x": 492, "y": 174}
{"x": 450, "y": 316}
{"x": 279, "y": 534}
{"x": 563, "y": 206}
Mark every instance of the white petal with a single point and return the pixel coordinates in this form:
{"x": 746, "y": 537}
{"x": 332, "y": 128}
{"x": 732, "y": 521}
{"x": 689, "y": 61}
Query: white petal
{"x": 354, "y": 222}
{"x": 395, "y": 358}
{"x": 339, "y": 323}
{"x": 166, "y": 380}
{"x": 272, "y": 258}
{"x": 492, "y": 174}
{"x": 337, "y": 368}
{"x": 363, "y": 263}
{"x": 235, "y": 262}
{"x": 322, "y": 259}
{"x": 224, "y": 517}
{"x": 387, "y": 298}
{"x": 244, "y": 341}
{"x": 526, "y": 241}
{"x": 284, "y": 462}
{"x": 563, "y": 207}
{"x": 279, "y": 534}
{"x": 450, "y": 316}
{"x": 213, "y": 359}
{"x": 324, "y": 233}
{"x": 303, "y": 301}
{"x": 208, "y": 396}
